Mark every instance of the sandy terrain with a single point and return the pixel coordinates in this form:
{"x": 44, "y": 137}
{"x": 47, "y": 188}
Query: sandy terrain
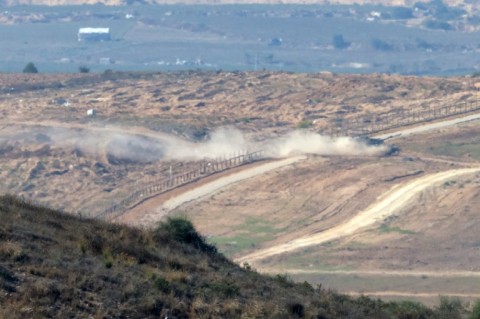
{"x": 83, "y": 171}
{"x": 187, "y": 105}
{"x": 388, "y": 204}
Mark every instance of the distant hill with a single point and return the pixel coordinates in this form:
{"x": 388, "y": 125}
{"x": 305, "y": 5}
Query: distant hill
{"x": 123, "y": 2}
{"x": 53, "y": 265}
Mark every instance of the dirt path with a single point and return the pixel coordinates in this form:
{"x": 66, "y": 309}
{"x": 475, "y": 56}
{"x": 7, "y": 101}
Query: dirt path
{"x": 386, "y": 205}
{"x": 151, "y": 218}
{"x": 426, "y": 127}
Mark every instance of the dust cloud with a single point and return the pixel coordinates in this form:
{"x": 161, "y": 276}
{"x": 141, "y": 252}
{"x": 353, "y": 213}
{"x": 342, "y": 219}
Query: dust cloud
{"x": 223, "y": 142}
{"x": 305, "y": 142}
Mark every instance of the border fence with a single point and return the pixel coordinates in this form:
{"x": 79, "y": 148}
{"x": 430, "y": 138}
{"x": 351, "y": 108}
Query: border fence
{"x": 357, "y": 126}
{"x": 369, "y": 124}
{"x": 162, "y": 185}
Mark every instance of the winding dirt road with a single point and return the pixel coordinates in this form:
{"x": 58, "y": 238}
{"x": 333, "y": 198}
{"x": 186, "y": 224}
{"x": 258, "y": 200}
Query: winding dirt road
{"x": 210, "y": 187}
{"x": 386, "y": 205}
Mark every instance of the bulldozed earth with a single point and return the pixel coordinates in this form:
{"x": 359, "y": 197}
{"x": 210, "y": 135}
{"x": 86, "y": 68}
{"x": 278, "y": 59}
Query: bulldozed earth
{"x": 52, "y": 152}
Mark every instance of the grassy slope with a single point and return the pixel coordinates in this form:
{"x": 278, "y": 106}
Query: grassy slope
{"x": 54, "y": 265}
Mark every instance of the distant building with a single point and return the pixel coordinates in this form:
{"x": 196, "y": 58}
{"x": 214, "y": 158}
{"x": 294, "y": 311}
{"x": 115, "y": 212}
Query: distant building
{"x": 93, "y": 34}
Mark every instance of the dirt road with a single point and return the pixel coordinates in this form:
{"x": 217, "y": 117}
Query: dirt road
{"x": 385, "y": 206}
{"x": 153, "y": 217}
{"x": 427, "y": 127}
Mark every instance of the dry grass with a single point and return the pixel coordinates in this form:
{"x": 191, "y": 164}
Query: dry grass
{"x": 57, "y": 266}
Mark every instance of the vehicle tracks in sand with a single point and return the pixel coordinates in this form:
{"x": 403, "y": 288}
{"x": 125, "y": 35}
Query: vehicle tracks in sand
{"x": 385, "y": 206}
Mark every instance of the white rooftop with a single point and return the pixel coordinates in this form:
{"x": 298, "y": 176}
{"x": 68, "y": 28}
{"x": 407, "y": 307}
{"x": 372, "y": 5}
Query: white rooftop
{"x": 94, "y": 30}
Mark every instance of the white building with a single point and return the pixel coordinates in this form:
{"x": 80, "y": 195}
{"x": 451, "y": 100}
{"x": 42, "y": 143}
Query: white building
{"x": 93, "y": 34}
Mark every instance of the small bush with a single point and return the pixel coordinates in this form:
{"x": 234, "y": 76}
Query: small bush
{"x": 304, "y": 124}
{"x": 412, "y": 310}
{"x": 339, "y": 42}
{"x": 93, "y": 242}
{"x": 226, "y": 288}
{"x": 297, "y": 310}
{"x": 162, "y": 284}
{"x": 284, "y": 280}
{"x": 83, "y": 69}
{"x": 30, "y": 68}
{"x": 6, "y": 274}
{"x": 182, "y": 230}
{"x": 475, "y": 311}
{"x": 449, "y": 308}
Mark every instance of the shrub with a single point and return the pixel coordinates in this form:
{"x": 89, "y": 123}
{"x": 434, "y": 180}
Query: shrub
{"x": 449, "y": 308}
{"x": 182, "y": 230}
{"x": 339, "y": 42}
{"x": 304, "y": 124}
{"x": 162, "y": 284}
{"x": 83, "y": 69}
{"x": 284, "y": 280}
{"x": 108, "y": 263}
{"x": 412, "y": 310}
{"x": 92, "y": 242}
{"x": 226, "y": 288}
{"x": 296, "y": 309}
{"x": 30, "y": 68}
{"x": 475, "y": 311}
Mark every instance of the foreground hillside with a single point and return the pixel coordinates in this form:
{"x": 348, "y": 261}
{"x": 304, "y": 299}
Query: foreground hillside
{"x": 58, "y": 266}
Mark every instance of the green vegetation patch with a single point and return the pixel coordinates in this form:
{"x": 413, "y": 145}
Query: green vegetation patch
{"x": 251, "y": 233}
{"x": 454, "y": 148}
